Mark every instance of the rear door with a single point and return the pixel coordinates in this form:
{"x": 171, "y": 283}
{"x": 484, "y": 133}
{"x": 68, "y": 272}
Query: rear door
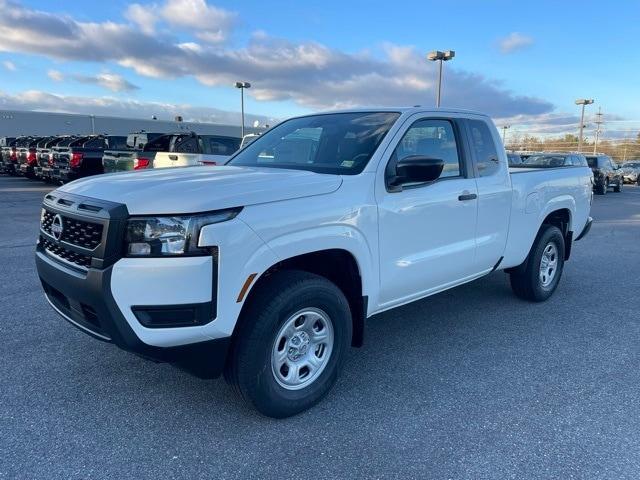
{"x": 427, "y": 231}
{"x": 494, "y": 192}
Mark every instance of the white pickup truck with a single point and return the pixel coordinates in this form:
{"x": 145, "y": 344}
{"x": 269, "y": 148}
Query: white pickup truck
{"x": 191, "y": 149}
{"x": 267, "y": 268}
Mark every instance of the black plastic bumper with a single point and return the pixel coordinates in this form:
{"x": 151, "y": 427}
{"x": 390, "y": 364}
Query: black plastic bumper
{"x": 586, "y": 229}
{"x": 85, "y": 300}
{"x": 66, "y": 175}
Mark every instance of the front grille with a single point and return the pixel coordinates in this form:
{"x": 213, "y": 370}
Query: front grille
{"x": 59, "y": 251}
{"x": 76, "y": 232}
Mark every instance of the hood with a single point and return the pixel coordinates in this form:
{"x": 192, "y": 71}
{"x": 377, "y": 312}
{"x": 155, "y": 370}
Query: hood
{"x": 201, "y": 189}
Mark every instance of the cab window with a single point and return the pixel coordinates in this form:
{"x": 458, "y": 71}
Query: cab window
{"x": 433, "y": 139}
{"x": 484, "y": 148}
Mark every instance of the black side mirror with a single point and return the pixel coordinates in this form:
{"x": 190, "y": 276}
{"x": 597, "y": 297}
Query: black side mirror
{"x": 417, "y": 169}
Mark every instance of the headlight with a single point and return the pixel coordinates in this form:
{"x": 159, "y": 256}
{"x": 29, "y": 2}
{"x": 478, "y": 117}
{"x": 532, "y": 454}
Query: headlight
{"x": 170, "y": 235}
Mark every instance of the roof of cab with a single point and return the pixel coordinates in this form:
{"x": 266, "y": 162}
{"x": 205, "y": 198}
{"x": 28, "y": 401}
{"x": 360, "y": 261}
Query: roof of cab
{"x": 407, "y": 110}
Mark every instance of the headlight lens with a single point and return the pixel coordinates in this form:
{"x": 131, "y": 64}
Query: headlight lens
{"x": 170, "y": 235}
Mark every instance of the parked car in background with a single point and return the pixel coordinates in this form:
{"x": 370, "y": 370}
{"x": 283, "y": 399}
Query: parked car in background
{"x": 190, "y": 149}
{"x": 5, "y": 152}
{"x": 514, "y": 159}
{"x": 553, "y": 160}
{"x": 606, "y": 173}
{"x": 83, "y": 156}
{"x": 44, "y": 155}
{"x": 248, "y": 138}
{"x": 139, "y": 153}
{"x": 27, "y": 157}
{"x": 631, "y": 172}
{"x": 10, "y": 155}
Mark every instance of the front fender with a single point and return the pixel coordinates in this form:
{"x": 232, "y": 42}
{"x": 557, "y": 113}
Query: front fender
{"x": 329, "y": 237}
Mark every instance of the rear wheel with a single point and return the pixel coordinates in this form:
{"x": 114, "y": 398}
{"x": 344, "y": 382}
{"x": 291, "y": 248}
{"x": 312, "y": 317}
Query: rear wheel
{"x": 291, "y": 343}
{"x": 538, "y": 277}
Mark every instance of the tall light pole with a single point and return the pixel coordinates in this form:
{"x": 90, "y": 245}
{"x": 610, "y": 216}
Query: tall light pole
{"x": 242, "y": 86}
{"x": 504, "y": 134}
{"x": 439, "y": 56}
{"x": 583, "y": 102}
{"x": 598, "y": 122}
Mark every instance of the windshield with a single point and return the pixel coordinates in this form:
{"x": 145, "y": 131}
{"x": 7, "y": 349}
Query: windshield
{"x": 337, "y": 143}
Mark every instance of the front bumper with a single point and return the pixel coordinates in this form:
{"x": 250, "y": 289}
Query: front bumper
{"x": 65, "y": 174}
{"x": 86, "y": 301}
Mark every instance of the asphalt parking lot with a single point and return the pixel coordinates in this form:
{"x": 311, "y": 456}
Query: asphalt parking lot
{"x": 469, "y": 384}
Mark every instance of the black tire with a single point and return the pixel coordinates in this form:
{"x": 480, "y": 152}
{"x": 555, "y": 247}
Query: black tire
{"x": 618, "y": 187}
{"x": 249, "y": 367}
{"x": 602, "y": 189}
{"x": 525, "y": 280}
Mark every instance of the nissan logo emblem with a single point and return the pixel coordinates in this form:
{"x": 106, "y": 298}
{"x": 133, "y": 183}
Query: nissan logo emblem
{"x": 57, "y": 227}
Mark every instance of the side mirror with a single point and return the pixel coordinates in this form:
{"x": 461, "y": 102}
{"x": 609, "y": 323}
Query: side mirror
{"x": 417, "y": 169}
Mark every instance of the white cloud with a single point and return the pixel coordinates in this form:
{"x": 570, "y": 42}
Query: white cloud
{"x": 209, "y": 23}
{"x": 55, "y": 75}
{"x": 143, "y": 16}
{"x": 513, "y": 42}
{"x": 310, "y": 74}
{"x": 9, "y": 65}
{"x": 110, "y": 81}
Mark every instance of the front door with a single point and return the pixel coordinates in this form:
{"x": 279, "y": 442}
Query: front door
{"x": 427, "y": 231}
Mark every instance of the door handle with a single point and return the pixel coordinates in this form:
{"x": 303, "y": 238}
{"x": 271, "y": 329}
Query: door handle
{"x": 173, "y": 157}
{"x": 467, "y": 196}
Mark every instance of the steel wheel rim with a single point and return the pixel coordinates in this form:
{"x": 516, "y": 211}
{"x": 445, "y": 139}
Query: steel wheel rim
{"x": 548, "y": 264}
{"x": 302, "y": 348}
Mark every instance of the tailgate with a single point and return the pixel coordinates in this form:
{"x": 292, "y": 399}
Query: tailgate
{"x": 118, "y": 160}
{"x": 61, "y": 157}
{"x": 170, "y": 159}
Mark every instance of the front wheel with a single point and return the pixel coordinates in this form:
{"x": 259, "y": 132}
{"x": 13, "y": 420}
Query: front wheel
{"x": 602, "y": 189}
{"x": 538, "y": 277}
{"x": 291, "y": 343}
{"x": 618, "y": 187}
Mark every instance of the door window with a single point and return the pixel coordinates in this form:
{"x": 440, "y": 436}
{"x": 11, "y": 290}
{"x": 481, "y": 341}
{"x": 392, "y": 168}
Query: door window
{"x": 433, "y": 139}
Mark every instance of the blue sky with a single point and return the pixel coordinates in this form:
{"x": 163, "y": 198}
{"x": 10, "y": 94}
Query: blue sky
{"x": 303, "y": 56}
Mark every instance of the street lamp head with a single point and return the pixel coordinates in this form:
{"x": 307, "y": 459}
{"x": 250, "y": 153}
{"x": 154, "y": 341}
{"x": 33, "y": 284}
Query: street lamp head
{"x": 243, "y": 85}
{"x": 438, "y": 55}
{"x": 584, "y": 101}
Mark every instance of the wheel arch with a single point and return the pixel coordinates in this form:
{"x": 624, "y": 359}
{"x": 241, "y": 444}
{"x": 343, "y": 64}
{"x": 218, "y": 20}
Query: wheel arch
{"x": 338, "y": 265}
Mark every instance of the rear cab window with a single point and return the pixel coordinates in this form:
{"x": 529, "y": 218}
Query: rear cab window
{"x": 484, "y": 148}
{"x": 215, "y": 145}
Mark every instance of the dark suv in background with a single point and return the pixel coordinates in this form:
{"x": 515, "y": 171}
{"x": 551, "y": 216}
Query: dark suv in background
{"x": 606, "y": 173}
